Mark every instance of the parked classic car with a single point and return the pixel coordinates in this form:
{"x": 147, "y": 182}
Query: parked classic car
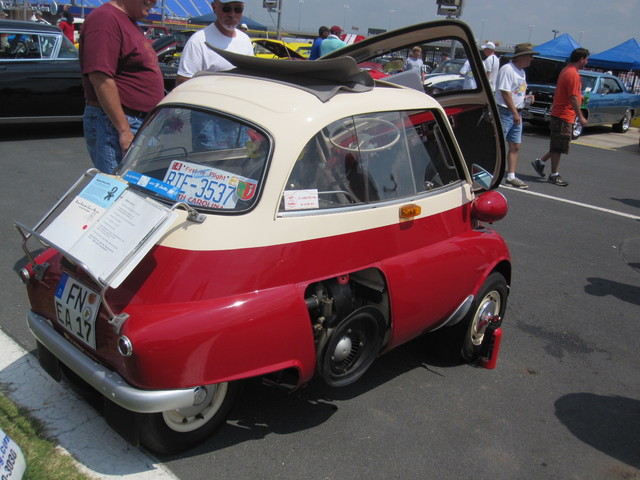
{"x": 445, "y": 77}
{"x": 606, "y": 99}
{"x": 40, "y": 77}
{"x": 287, "y": 220}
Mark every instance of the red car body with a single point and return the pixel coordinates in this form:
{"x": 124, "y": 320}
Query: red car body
{"x": 307, "y": 254}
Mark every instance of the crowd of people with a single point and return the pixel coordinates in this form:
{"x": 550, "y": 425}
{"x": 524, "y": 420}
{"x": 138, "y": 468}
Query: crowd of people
{"x": 511, "y": 96}
{"x": 123, "y": 82}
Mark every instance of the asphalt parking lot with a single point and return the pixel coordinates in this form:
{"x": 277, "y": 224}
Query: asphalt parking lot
{"x": 563, "y": 403}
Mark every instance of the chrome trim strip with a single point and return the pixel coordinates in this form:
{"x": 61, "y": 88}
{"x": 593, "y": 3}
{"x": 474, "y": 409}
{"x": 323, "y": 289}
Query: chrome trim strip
{"x": 51, "y": 119}
{"x": 372, "y": 205}
{"x": 458, "y": 315}
{"x": 108, "y": 383}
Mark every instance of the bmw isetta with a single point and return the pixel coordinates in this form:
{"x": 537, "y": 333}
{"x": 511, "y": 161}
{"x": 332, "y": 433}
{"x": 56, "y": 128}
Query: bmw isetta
{"x": 285, "y": 217}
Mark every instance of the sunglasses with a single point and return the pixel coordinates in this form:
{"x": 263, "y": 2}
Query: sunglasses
{"x": 227, "y": 9}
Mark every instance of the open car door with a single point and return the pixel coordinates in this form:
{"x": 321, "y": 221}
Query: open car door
{"x": 467, "y": 99}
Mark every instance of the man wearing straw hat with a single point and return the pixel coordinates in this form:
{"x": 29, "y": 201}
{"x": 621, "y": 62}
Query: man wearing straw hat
{"x": 511, "y": 90}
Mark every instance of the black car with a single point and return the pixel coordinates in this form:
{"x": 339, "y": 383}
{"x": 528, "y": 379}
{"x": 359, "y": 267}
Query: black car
{"x": 40, "y": 78}
{"x": 169, "y": 47}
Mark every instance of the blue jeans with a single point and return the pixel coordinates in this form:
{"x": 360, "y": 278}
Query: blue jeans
{"x": 512, "y": 132}
{"x": 102, "y": 138}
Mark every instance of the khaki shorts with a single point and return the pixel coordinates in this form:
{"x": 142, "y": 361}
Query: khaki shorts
{"x": 560, "y": 136}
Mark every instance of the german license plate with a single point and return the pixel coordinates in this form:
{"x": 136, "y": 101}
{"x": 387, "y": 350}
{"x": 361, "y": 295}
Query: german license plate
{"x": 77, "y": 308}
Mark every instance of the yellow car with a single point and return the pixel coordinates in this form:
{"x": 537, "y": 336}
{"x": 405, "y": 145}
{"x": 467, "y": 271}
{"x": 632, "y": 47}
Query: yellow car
{"x": 303, "y": 49}
{"x": 267, "y": 48}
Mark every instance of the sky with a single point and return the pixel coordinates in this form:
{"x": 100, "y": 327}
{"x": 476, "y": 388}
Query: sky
{"x": 596, "y": 24}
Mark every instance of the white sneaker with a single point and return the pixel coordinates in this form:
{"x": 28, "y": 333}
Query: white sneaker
{"x": 517, "y": 183}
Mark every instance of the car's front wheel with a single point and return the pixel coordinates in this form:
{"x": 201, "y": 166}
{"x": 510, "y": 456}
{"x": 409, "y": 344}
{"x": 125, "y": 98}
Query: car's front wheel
{"x": 174, "y": 431}
{"x": 491, "y": 301}
{"x": 623, "y": 125}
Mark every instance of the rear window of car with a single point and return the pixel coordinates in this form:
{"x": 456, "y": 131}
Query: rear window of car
{"x": 371, "y": 158}
{"x": 209, "y": 161}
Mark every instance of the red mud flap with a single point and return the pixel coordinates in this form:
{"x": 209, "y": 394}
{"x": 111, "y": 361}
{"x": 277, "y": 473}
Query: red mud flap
{"x": 490, "y": 346}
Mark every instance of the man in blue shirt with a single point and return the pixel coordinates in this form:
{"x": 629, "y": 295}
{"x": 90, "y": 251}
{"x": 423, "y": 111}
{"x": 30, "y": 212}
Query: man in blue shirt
{"x": 323, "y": 32}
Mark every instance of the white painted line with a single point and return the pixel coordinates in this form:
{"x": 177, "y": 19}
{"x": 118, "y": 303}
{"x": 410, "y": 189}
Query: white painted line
{"x": 579, "y": 204}
{"x": 78, "y": 428}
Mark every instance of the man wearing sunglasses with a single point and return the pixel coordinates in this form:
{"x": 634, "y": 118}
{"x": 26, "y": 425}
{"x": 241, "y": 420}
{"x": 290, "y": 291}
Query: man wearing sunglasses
{"x": 223, "y": 34}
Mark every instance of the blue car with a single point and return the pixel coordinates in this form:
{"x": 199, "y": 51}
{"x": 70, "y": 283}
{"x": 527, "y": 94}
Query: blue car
{"x": 606, "y": 100}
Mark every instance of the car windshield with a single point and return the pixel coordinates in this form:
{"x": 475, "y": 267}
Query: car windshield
{"x": 588, "y": 83}
{"x": 202, "y": 158}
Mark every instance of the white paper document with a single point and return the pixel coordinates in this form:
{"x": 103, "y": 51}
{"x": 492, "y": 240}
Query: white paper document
{"x": 109, "y": 228}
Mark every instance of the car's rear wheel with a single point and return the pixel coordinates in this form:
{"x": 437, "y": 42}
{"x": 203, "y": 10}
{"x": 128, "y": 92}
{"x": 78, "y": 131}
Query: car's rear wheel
{"x": 623, "y": 125}
{"x": 352, "y": 347}
{"x": 174, "y": 431}
{"x": 491, "y": 301}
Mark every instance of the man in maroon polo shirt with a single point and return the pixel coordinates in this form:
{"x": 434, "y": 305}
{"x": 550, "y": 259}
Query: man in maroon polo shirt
{"x": 121, "y": 78}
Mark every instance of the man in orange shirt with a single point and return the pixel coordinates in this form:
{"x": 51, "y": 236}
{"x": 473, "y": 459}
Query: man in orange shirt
{"x": 565, "y": 111}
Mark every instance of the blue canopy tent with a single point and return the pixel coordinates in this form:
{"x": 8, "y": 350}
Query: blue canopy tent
{"x": 558, "y": 49}
{"x": 172, "y": 8}
{"x": 625, "y": 56}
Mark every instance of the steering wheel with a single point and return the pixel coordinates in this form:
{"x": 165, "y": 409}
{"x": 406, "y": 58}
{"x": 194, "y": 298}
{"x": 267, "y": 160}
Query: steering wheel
{"x": 366, "y": 141}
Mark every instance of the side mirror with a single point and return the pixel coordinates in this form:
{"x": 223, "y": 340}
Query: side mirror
{"x": 489, "y": 207}
{"x": 482, "y": 179}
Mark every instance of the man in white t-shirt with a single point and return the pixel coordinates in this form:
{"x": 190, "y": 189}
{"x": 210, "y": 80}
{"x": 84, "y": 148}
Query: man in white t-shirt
{"x": 511, "y": 90}
{"x": 469, "y": 80}
{"x": 223, "y": 34}
{"x": 414, "y": 61}
{"x": 491, "y": 63}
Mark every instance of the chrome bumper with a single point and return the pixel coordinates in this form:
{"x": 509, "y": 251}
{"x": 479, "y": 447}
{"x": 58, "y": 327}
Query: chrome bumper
{"x": 536, "y": 113}
{"x": 108, "y": 383}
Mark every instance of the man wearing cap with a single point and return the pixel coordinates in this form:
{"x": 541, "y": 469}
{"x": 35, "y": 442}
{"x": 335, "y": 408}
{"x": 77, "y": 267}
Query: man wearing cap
{"x": 121, "y": 79}
{"x": 323, "y": 32}
{"x": 222, "y": 34}
{"x": 332, "y": 42}
{"x": 38, "y": 18}
{"x": 243, "y": 27}
{"x": 491, "y": 63}
{"x": 511, "y": 90}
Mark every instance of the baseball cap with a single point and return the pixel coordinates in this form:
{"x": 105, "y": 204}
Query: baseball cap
{"x": 490, "y": 45}
{"x": 336, "y": 30}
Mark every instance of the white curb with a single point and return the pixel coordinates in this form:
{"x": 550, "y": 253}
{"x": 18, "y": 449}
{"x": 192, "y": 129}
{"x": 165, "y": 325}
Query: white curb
{"x": 78, "y": 428}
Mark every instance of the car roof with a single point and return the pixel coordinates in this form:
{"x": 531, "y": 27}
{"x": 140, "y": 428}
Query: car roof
{"x": 591, "y": 73}
{"x": 321, "y": 78}
{"x": 32, "y": 26}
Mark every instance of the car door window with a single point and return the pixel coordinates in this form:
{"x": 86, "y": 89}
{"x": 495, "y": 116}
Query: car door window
{"x": 614, "y": 87}
{"x": 67, "y": 49}
{"x": 47, "y": 45}
{"x": 371, "y": 158}
{"x": 20, "y": 45}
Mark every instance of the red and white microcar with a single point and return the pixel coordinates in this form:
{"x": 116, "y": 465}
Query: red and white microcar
{"x": 289, "y": 217}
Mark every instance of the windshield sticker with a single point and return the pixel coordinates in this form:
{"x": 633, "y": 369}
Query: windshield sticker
{"x": 152, "y": 184}
{"x": 300, "y": 199}
{"x": 209, "y": 187}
